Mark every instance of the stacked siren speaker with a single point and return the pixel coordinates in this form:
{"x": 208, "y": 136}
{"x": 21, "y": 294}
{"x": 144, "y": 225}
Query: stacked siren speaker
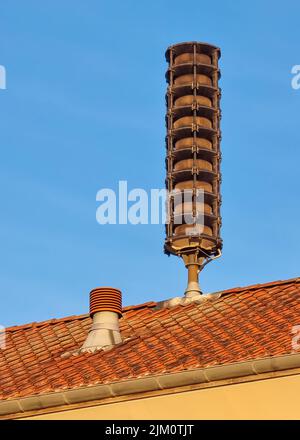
{"x": 193, "y": 151}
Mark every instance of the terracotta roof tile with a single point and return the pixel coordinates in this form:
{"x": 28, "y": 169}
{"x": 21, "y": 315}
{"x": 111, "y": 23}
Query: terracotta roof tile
{"x": 231, "y": 326}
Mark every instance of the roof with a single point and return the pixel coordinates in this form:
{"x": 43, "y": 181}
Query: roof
{"x": 231, "y": 326}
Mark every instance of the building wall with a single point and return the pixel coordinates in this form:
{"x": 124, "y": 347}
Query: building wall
{"x": 276, "y": 398}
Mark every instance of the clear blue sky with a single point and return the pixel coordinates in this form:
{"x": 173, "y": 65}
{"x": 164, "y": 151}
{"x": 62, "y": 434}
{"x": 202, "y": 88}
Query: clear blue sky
{"x": 84, "y": 108}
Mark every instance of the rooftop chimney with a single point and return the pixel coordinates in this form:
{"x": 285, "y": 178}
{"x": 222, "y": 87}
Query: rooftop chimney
{"x": 105, "y": 311}
{"x": 193, "y": 157}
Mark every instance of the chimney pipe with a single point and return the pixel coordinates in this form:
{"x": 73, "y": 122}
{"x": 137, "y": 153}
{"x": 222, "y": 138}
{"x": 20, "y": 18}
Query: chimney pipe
{"x": 105, "y": 311}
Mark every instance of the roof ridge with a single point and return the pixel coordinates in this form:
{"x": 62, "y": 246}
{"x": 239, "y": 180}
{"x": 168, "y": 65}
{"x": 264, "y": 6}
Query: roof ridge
{"x": 256, "y": 286}
{"x": 45, "y": 322}
{"x": 148, "y": 304}
{"x": 34, "y": 324}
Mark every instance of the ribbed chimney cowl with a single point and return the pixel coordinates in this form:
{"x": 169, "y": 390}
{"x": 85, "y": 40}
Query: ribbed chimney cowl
{"x": 105, "y": 311}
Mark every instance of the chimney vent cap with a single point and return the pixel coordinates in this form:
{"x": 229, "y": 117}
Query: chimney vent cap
{"x": 105, "y": 299}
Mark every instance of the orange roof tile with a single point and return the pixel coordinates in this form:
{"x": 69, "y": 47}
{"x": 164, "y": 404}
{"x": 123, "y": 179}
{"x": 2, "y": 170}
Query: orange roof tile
{"x": 236, "y": 325}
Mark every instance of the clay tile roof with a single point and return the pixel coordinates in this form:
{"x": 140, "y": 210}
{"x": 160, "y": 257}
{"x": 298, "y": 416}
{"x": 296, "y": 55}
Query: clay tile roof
{"x": 231, "y": 326}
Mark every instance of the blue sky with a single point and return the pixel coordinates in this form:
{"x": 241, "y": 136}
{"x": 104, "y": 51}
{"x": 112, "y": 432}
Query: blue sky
{"x": 84, "y": 108}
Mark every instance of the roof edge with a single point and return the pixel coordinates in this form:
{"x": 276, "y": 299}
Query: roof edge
{"x": 133, "y": 388}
